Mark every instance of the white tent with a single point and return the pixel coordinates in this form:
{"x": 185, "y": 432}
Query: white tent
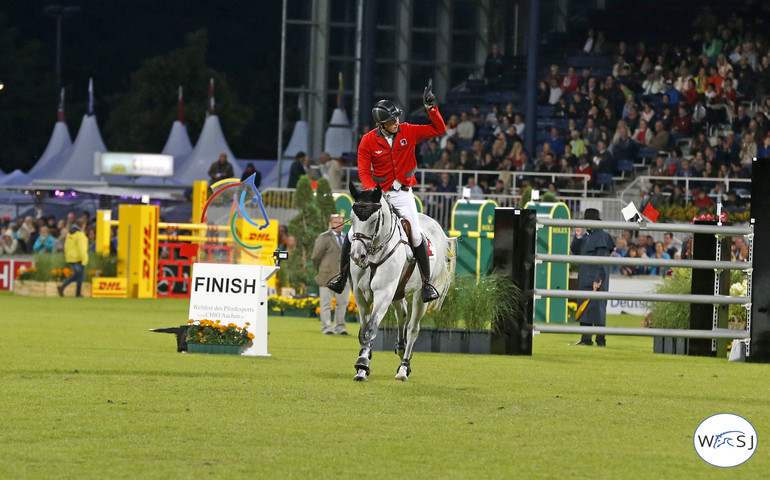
{"x": 298, "y": 140}
{"x": 78, "y": 163}
{"x": 58, "y": 147}
{"x": 339, "y": 136}
{"x": 178, "y": 144}
{"x": 210, "y": 144}
{"x": 16, "y": 178}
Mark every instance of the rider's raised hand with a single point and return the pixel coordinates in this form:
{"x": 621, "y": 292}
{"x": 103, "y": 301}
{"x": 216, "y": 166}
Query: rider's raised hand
{"x": 428, "y": 99}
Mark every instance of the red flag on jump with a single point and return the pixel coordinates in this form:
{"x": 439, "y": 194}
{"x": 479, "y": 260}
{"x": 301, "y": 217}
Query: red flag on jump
{"x": 651, "y": 213}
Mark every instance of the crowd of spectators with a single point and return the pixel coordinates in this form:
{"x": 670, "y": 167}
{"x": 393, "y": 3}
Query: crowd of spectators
{"x": 699, "y": 110}
{"x": 44, "y": 234}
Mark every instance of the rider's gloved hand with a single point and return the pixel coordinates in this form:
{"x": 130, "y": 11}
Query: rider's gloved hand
{"x": 428, "y": 99}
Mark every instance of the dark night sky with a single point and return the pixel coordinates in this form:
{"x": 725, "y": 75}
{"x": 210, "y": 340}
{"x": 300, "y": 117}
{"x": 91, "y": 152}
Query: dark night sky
{"x": 108, "y": 40}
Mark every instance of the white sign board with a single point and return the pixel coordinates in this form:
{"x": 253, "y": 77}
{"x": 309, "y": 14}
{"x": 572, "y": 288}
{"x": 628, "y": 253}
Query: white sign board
{"x": 637, "y": 284}
{"x": 233, "y": 294}
{"x": 133, "y": 164}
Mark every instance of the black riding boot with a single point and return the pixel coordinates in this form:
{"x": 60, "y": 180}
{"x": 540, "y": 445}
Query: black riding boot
{"x": 429, "y": 292}
{"x": 337, "y": 284}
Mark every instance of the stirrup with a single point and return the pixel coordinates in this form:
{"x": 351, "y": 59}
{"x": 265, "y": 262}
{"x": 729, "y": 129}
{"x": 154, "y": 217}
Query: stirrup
{"x": 337, "y": 283}
{"x": 429, "y": 292}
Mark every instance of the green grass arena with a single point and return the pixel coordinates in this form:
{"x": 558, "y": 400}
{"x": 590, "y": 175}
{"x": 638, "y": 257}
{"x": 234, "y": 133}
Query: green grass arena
{"x": 89, "y": 392}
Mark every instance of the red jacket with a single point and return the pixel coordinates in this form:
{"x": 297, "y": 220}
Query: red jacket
{"x": 379, "y": 163}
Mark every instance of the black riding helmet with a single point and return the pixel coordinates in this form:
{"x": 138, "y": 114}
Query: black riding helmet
{"x": 385, "y": 111}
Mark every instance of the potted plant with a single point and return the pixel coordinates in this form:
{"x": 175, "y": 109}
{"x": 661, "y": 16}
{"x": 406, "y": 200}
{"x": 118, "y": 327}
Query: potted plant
{"x": 206, "y": 336}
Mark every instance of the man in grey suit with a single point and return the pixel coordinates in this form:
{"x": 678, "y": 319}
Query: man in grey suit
{"x": 326, "y": 257}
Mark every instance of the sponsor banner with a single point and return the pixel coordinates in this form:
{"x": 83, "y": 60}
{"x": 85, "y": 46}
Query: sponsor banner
{"x": 134, "y": 164}
{"x": 8, "y": 270}
{"x": 639, "y": 284}
{"x": 109, "y": 287}
{"x": 233, "y": 294}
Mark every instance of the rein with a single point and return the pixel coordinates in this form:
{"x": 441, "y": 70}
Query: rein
{"x": 373, "y": 249}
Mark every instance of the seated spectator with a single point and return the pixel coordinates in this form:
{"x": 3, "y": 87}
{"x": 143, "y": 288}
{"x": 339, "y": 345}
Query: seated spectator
{"x": 476, "y": 118}
{"x": 657, "y": 199}
{"x": 603, "y": 162}
{"x": 733, "y": 203}
{"x": 701, "y": 79}
{"x": 690, "y": 93}
{"x": 45, "y": 242}
{"x": 659, "y": 169}
{"x": 654, "y": 83}
{"x": 591, "y": 133}
{"x": 741, "y": 120}
{"x": 756, "y": 131}
{"x": 669, "y": 246}
{"x": 556, "y": 142}
{"x": 476, "y": 191}
{"x": 763, "y": 151}
{"x": 628, "y": 270}
{"x": 571, "y": 158}
{"x": 519, "y": 125}
{"x": 647, "y": 114}
{"x": 577, "y": 143}
{"x": 699, "y": 143}
{"x": 446, "y": 185}
{"x": 673, "y": 93}
{"x": 677, "y": 199}
{"x": 9, "y": 244}
{"x": 643, "y": 135}
{"x": 681, "y": 126}
{"x": 632, "y": 120}
{"x": 465, "y": 162}
{"x": 555, "y": 92}
{"x": 509, "y": 112}
{"x": 702, "y": 201}
{"x": 660, "y": 139}
{"x": 451, "y": 130}
{"x": 466, "y": 130}
{"x": 562, "y": 109}
{"x": 660, "y": 254}
{"x": 493, "y": 118}
{"x": 584, "y": 168}
{"x": 623, "y": 147}
{"x": 748, "y": 150}
{"x": 431, "y": 156}
{"x": 569, "y": 83}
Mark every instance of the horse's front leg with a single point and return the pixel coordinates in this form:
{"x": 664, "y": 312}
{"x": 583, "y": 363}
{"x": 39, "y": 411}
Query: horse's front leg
{"x": 412, "y": 331}
{"x": 381, "y": 300}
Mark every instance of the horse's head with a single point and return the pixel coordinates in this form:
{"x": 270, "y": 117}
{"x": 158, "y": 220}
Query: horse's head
{"x": 365, "y": 222}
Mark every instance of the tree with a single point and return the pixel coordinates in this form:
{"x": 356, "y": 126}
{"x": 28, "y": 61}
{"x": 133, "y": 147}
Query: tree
{"x": 141, "y": 119}
{"x": 27, "y": 101}
{"x": 325, "y": 199}
{"x": 305, "y": 228}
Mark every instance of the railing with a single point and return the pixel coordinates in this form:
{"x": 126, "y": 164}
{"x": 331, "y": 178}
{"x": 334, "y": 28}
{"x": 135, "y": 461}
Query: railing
{"x": 279, "y": 204}
{"x": 427, "y": 175}
{"x": 685, "y": 182}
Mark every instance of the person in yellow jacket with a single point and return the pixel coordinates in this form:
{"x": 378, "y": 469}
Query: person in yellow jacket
{"x": 76, "y": 254}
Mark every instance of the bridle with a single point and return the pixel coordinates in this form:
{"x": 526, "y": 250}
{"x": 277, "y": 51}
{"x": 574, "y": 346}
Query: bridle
{"x": 368, "y": 241}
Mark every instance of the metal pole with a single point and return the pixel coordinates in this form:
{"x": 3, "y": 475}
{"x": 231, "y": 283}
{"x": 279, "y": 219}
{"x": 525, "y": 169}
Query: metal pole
{"x": 644, "y": 332}
{"x": 531, "y": 110}
{"x": 649, "y": 262}
{"x": 280, "y": 90}
{"x": 644, "y": 297}
{"x": 652, "y": 227}
{"x": 355, "y": 123}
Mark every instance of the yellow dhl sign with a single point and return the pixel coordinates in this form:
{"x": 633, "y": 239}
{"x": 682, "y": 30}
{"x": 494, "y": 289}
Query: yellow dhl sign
{"x": 108, "y": 287}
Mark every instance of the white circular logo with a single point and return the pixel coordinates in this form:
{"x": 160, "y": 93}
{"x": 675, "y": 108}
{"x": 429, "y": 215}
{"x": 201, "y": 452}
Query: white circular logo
{"x": 725, "y": 440}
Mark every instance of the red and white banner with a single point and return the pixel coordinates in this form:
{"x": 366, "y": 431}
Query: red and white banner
{"x": 8, "y": 269}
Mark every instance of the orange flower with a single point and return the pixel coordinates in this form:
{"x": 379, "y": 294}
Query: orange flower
{"x": 251, "y": 336}
{"x": 190, "y": 320}
{"x": 200, "y": 334}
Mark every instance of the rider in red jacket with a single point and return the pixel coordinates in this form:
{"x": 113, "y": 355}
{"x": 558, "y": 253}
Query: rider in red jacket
{"x": 386, "y": 157}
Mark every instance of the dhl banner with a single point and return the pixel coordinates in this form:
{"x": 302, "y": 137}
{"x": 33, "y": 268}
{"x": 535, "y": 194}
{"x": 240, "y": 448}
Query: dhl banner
{"x": 138, "y": 249}
{"x": 253, "y": 238}
{"x": 108, "y": 287}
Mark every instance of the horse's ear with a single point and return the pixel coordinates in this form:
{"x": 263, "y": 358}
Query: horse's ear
{"x": 353, "y": 191}
{"x": 378, "y": 193}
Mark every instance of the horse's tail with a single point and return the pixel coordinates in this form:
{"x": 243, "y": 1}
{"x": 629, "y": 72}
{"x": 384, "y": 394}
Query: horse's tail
{"x": 444, "y": 280}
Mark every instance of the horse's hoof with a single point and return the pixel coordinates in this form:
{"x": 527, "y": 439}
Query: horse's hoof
{"x": 361, "y": 376}
{"x": 402, "y": 374}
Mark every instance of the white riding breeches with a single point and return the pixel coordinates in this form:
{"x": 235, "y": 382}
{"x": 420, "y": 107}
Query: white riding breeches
{"x": 404, "y": 204}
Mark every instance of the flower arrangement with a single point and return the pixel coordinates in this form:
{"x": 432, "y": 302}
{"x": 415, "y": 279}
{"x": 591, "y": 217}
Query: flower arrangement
{"x": 61, "y": 273}
{"x": 213, "y": 332}
{"x": 279, "y": 303}
{"x": 738, "y": 312}
{"x": 52, "y": 267}
{"x": 351, "y": 310}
